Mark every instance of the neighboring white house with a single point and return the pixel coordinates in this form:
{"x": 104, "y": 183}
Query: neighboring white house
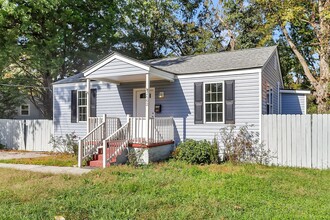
{"x": 183, "y": 97}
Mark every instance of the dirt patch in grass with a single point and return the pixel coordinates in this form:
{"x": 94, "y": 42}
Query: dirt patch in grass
{"x": 59, "y": 159}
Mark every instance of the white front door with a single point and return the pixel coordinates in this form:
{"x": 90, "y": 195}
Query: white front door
{"x": 139, "y": 109}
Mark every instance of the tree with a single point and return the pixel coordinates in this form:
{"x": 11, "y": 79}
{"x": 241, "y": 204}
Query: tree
{"x": 46, "y": 40}
{"x": 305, "y": 26}
{"x": 239, "y": 20}
{"x": 153, "y": 29}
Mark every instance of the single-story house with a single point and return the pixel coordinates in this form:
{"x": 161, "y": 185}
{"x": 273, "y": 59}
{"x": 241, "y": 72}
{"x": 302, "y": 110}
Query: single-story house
{"x": 182, "y": 97}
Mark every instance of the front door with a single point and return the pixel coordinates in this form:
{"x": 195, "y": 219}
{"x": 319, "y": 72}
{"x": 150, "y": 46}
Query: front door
{"x": 139, "y": 108}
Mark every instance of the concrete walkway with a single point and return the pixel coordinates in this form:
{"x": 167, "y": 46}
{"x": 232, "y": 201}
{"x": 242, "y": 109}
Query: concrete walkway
{"x": 7, "y": 155}
{"x": 46, "y": 169}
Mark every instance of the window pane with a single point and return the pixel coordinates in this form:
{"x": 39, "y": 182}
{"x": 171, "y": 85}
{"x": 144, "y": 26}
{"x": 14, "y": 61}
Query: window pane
{"x": 214, "y": 117}
{"x": 219, "y": 107}
{"x": 207, "y": 88}
{"x": 214, "y": 107}
{"x": 214, "y": 87}
{"x": 219, "y": 87}
{"x": 207, "y": 98}
{"x": 214, "y": 97}
{"x": 220, "y": 97}
{"x": 220, "y": 117}
{"x": 208, "y": 108}
{"x": 208, "y": 117}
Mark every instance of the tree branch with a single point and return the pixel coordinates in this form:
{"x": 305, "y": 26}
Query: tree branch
{"x": 300, "y": 57}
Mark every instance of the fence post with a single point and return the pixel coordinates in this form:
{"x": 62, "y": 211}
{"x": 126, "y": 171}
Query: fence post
{"x": 80, "y": 154}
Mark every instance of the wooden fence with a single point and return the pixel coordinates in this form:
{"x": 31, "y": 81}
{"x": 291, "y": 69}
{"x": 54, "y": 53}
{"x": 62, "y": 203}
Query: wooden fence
{"x": 298, "y": 140}
{"x": 30, "y": 135}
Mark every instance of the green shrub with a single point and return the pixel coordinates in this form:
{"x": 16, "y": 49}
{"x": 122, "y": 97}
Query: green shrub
{"x": 2, "y": 147}
{"x": 244, "y": 146}
{"x": 67, "y": 144}
{"x": 197, "y": 152}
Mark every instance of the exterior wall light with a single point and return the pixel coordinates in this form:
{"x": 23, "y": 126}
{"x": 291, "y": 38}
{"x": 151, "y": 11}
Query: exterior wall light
{"x": 161, "y": 95}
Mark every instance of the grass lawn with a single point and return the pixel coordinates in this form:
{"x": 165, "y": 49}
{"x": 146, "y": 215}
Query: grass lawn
{"x": 55, "y": 159}
{"x": 170, "y": 190}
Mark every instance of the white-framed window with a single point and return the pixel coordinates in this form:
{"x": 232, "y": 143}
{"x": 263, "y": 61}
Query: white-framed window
{"x": 82, "y": 106}
{"x": 269, "y": 102}
{"x": 25, "y": 110}
{"x": 214, "y": 102}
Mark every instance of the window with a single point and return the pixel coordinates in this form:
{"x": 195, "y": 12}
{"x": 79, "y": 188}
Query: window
{"x": 214, "y": 104}
{"x": 25, "y": 109}
{"x": 269, "y": 100}
{"x": 82, "y": 106}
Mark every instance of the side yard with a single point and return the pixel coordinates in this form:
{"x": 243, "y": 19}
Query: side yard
{"x": 167, "y": 191}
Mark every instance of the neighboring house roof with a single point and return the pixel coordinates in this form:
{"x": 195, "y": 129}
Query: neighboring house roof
{"x": 72, "y": 79}
{"x": 204, "y": 63}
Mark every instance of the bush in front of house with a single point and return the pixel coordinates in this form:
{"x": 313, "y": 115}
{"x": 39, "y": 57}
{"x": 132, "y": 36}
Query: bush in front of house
{"x": 241, "y": 145}
{"x": 66, "y": 144}
{"x": 197, "y": 152}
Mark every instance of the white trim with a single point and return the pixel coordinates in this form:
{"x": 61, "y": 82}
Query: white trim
{"x": 111, "y": 58}
{"x": 223, "y": 103}
{"x": 29, "y": 110}
{"x": 278, "y": 98}
{"x": 260, "y": 105}
{"x": 77, "y": 84}
{"x": 81, "y": 106}
{"x": 306, "y": 92}
{"x": 152, "y": 91}
{"x": 162, "y": 74}
{"x": 224, "y": 73}
{"x": 305, "y": 105}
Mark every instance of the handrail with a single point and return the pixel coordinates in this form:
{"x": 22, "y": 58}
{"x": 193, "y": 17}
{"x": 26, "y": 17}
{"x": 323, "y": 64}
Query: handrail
{"x": 115, "y": 143}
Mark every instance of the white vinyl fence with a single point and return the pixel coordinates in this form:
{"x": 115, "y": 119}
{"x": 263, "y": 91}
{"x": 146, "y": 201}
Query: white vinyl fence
{"x": 30, "y": 135}
{"x": 298, "y": 140}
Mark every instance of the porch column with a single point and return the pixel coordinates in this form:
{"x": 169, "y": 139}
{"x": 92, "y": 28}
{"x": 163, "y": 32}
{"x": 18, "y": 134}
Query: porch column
{"x": 88, "y": 96}
{"x": 147, "y": 107}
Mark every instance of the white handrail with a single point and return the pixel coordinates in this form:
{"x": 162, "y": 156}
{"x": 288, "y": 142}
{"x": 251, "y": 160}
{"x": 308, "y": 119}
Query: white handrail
{"x": 116, "y": 143}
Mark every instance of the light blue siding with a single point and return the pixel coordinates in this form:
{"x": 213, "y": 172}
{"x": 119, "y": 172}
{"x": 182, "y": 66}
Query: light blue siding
{"x": 293, "y": 103}
{"x": 117, "y": 68}
{"x": 117, "y": 101}
{"x": 271, "y": 75}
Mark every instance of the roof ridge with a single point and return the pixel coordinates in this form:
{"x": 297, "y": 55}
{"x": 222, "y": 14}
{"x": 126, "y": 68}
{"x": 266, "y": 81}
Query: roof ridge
{"x": 213, "y": 53}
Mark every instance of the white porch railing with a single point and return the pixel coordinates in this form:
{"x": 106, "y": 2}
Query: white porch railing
{"x": 112, "y": 124}
{"x": 88, "y": 145}
{"x": 100, "y": 128}
{"x": 115, "y": 144}
{"x": 161, "y": 129}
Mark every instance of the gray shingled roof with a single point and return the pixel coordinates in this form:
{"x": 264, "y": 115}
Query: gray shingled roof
{"x": 72, "y": 79}
{"x": 215, "y": 62}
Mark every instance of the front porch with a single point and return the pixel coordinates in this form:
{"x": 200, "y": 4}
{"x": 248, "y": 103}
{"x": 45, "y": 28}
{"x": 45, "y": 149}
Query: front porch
{"x": 142, "y": 129}
{"x": 109, "y": 139}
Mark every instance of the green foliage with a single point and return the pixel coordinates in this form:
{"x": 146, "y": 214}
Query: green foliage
{"x": 66, "y": 144}
{"x": 243, "y": 146}
{"x": 58, "y": 159}
{"x": 134, "y": 156}
{"x": 2, "y": 147}
{"x": 197, "y": 152}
